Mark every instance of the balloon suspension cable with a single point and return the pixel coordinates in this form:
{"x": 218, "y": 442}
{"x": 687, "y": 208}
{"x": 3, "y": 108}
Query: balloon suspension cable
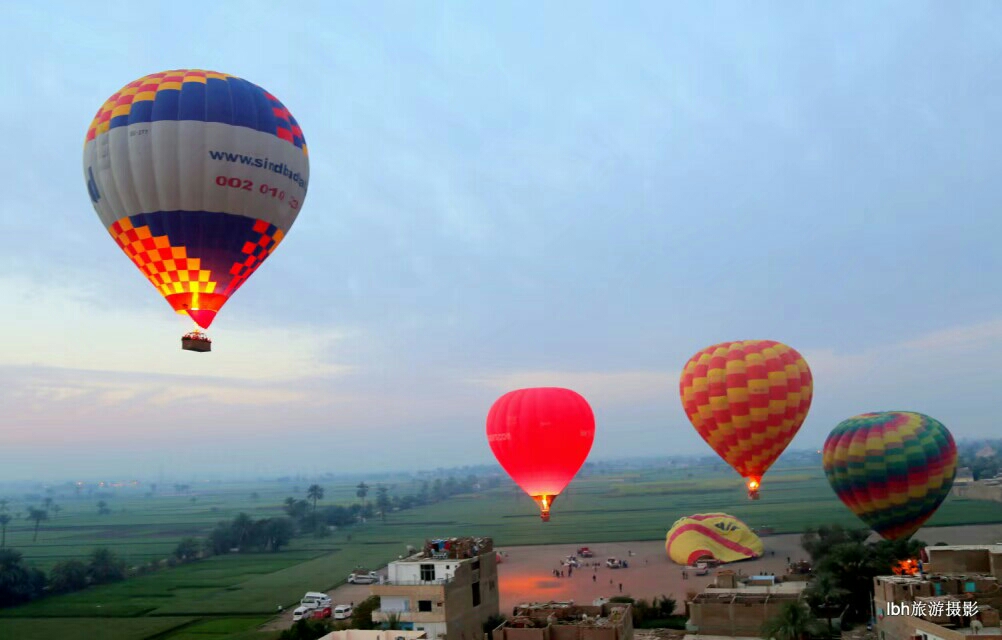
{"x": 545, "y": 501}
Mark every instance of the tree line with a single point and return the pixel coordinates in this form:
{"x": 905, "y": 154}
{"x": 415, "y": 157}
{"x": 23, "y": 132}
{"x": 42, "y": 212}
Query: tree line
{"x": 843, "y": 565}
{"x": 983, "y": 458}
{"x": 308, "y": 516}
{"x": 21, "y": 583}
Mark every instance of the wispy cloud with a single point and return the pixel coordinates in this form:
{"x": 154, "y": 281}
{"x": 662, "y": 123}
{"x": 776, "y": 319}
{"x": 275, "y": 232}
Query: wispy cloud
{"x": 55, "y": 328}
{"x": 608, "y": 388}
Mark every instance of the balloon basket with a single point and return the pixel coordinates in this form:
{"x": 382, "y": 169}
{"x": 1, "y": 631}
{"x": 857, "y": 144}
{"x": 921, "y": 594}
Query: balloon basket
{"x": 196, "y": 341}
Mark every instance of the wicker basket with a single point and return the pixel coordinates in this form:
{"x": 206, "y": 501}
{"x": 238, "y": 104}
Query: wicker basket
{"x": 194, "y": 342}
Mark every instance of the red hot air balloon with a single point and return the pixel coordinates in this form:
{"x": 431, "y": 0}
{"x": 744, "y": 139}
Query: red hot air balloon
{"x": 541, "y": 437}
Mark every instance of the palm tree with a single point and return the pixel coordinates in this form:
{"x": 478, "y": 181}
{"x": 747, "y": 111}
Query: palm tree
{"x": 393, "y": 620}
{"x": 47, "y": 503}
{"x": 38, "y": 515}
{"x": 315, "y": 492}
{"x": 383, "y": 500}
{"x": 105, "y": 566}
{"x": 241, "y": 527}
{"x": 825, "y": 593}
{"x": 362, "y": 491}
{"x": 793, "y": 622}
{"x": 4, "y": 521}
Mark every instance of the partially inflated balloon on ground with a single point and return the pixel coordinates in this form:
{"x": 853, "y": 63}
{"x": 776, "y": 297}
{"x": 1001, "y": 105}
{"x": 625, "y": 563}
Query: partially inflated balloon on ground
{"x": 197, "y": 176}
{"x": 892, "y": 469}
{"x": 541, "y": 437}
{"x": 716, "y": 536}
{"x": 747, "y": 400}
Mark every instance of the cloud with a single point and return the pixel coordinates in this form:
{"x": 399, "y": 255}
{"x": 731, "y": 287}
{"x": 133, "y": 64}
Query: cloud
{"x": 931, "y": 356}
{"x": 600, "y": 388}
{"x": 84, "y": 337}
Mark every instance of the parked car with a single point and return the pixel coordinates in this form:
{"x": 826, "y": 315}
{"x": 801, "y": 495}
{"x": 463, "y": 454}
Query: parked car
{"x": 315, "y": 600}
{"x": 571, "y": 561}
{"x": 342, "y": 612}
{"x": 585, "y": 552}
{"x": 320, "y": 614}
{"x": 363, "y": 577}
{"x": 301, "y": 613}
{"x": 612, "y": 563}
{"x": 700, "y": 569}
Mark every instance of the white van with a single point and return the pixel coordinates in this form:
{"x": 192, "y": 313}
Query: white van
{"x": 302, "y": 613}
{"x": 342, "y": 612}
{"x": 315, "y": 600}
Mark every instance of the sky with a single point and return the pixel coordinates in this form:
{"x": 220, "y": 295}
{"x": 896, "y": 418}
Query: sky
{"x": 506, "y": 195}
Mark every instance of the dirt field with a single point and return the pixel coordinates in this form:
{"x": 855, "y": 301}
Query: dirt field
{"x": 526, "y": 573}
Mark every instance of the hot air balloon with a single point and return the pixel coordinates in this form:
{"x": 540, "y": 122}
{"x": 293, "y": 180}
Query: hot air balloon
{"x": 198, "y": 176}
{"x": 892, "y": 469}
{"x": 541, "y": 437}
{"x": 747, "y": 399}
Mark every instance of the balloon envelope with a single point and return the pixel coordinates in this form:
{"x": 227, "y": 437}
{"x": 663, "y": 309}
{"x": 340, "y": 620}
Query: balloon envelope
{"x": 747, "y": 400}
{"x": 197, "y": 176}
{"x": 892, "y": 469}
{"x": 541, "y": 437}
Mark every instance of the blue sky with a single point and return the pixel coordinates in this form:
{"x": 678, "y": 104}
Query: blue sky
{"x": 571, "y": 194}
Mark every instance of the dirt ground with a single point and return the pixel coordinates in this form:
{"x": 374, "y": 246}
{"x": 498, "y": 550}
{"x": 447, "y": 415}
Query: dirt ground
{"x": 526, "y": 573}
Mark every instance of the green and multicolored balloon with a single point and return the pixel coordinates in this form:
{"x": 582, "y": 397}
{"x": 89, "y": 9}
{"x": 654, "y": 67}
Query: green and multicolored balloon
{"x": 892, "y": 469}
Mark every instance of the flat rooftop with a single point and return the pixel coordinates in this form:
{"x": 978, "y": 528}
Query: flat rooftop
{"x": 991, "y": 548}
{"x": 789, "y": 588}
{"x": 454, "y": 549}
{"x": 935, "y": 577}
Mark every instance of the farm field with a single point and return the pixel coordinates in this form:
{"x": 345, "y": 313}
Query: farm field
{"x": 231, "y": 596}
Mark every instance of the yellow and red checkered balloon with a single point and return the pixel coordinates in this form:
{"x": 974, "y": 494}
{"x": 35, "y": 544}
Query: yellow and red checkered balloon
{"x": 747, "y": 400}
{"x": 198, "y": 176}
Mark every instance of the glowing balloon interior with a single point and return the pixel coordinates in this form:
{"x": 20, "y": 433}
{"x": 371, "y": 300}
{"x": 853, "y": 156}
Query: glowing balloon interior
{"x": 747, "y": 400}
{"x": 541, "y": 437}
{"x": 892, "y": 469}
{"x": 198, "y": 176}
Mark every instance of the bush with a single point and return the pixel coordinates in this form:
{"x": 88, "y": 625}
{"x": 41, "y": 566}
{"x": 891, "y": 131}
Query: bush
{"x": 306, "y": 630}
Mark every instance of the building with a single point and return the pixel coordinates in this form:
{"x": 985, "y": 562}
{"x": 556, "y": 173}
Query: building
{"x": 738, "y": 606}
{"x": 990, "y": 490}
{"x": 375, "y": 634}
{"x": 963, "y": 476}
{"x": 449, "y": 590}
{"x": 983, "y": 559}
{"x": 567, "y": 621}
{"x": 956, "y": 596}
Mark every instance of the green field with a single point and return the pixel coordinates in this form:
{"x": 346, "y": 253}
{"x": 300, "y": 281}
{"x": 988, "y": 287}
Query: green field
{"x": 230, "y": 596}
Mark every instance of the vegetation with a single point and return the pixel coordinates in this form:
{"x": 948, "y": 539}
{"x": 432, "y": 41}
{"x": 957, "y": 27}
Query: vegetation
{"x": 794, "y": 622}
{"x": 172, "y": 577}
{"x": 361, "y": 614}
{"x": 659, "y": 614}
{"x": 983, "y": 458}
{"x": 307, "y": 630}
{"x": 845, "y": 565}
